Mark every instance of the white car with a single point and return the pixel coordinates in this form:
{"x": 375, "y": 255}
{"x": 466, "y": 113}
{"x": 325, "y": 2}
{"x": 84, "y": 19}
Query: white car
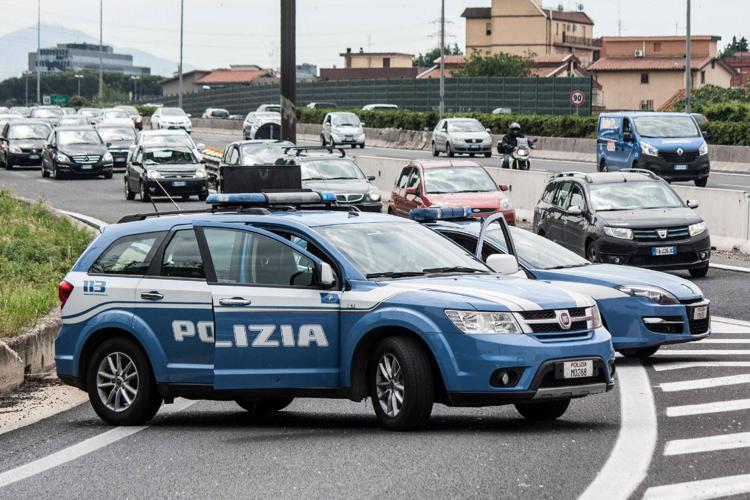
{"x": 461, "y": 136}
{"x": 171, "y": 118}
{"x": 113, "y": 114}
{"x": 269, "y": 108}
{"x": 262, "y": 125}
{"x": 215, "y": 113}
{"x": 380, "y": 107}
{"x": 341, "y": 128}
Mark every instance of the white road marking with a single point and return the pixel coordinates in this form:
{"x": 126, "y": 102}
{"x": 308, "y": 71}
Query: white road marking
{"x": 733, "y": 322}
{"x": 708, "y": 443}
{"x": 679, "y": 365}
{"x": 702, "y": 352}
{"x": 727, "y": 267}
{"x": 81, "y": 449}
{"x": 705, "y": 383}
{"x": 715, "y": 407}
{"x": 724, "y": 341}
{"x": 91, "y": 221}
{"x": 704, "y": 489}
{"x": 628, "y": 463}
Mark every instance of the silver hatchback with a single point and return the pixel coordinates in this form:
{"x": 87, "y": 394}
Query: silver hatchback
{"x": 461, "y": 136}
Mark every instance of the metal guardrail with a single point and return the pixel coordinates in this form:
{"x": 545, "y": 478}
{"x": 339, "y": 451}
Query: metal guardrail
{"x": 212, "y": 157}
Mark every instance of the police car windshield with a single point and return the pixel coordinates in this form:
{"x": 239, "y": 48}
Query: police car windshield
{"x": 465, "y": 126}
{"x": 665, "y": 127}
{"x": 330, "y": 170}
{"x": 72, "y": 137}
{"x": 632, "y": 196}
{"x": 28, "y": 131}
{"x": 537, "y": 251}
{"x": 168, "y": 156}
{"x": 397, "y": 249}
{"x": 458, "y": 180}
{"x": 110, "y": 134}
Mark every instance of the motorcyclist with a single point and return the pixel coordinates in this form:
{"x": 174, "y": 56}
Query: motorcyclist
{"x": 509, "y": 142}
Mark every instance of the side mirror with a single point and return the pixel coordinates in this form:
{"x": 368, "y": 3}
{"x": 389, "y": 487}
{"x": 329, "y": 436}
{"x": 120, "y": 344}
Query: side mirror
{"x": 489, "y": 130}
{"x": 371, "y": 178}
{"x": 188, "y": 115}
{"x": 504, "y": 187}
{"x": 326, "y": 278}
{"x": 411, "y": 190}
{"x": 574, "y": 210}
{"x": 362, "y": 124}
{"x": 108, "y": 145}
{"x": 692, "y": 204}
{"x": 503, "y": 263}
{"x": 627, "y": 137}
{"x": 202, "y": 161}
{"x": 200, "y": 145}
{"x": 136, "y": 163}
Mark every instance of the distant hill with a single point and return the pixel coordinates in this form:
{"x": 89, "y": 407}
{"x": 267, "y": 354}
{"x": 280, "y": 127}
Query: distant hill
{"x": 15, "y": 47}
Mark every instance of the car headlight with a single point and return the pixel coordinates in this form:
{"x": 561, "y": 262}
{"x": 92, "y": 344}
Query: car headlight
{"x": 153, "y": 174}
{"x": 138, "y": 119}
{"x": 487, "y": 140}
{"x": 622, "y": 233}
{"x": 652, "y": 293}
{"x": 107, "y": 157}
{"x": 63, "y": 158}
{"x": 697, "y": 228}
{"x": 596, "y": 318}
{"x": 374, "y": 195}
{"x": 523, "y": 152}
{"x": 200, "y": 174}
{"x": 15, "y": 149}
{"x": 505, "y": 204}
{"x": 703, "y": 150}
{"x": 648, "y": 149}
{"x": 475, "y": 322}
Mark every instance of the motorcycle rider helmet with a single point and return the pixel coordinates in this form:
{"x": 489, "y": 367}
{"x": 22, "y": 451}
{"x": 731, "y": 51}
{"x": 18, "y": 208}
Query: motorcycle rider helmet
{"x": 515, "y": 129}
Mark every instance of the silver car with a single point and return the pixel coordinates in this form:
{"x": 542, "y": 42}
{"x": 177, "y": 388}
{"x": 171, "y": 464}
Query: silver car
{"x": 461, "y": 136}
{"x": 262, "y": 125}
{"x": 342, "y": 128}
{"x": 171, "y": 118}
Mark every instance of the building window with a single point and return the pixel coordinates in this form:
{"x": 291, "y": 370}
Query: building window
{"x": 557, "y": 28}
{"x": 386, "y": 62}
{"x": 703, "y": 77}
{"x": 657, "y": 46}
{"x": 488, "y": 29}
{"x": 713, "y": 64}
{"x": 575, "y": 27}
{"x": 644, "y": 78}
{"x": 647, "y": 105}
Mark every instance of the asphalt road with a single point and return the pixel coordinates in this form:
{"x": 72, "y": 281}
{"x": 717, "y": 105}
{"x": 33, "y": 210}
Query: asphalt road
{"x": 319, "y": 448}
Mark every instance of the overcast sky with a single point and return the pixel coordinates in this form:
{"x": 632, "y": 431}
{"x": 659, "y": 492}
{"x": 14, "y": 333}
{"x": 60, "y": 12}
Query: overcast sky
{"x": 223, "y": 32}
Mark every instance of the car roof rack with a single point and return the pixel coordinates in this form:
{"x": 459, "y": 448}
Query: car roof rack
{"x": 573, "y": 173}
{"x": 301, "y": 150}
{"x": 643, "y": 171}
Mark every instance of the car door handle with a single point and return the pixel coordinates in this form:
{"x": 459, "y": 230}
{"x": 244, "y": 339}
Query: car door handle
{"x": 234, "y": 302}
{"x": 152, "y": 295}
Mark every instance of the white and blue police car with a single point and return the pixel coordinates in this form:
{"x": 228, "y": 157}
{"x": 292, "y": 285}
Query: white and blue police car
{"x": 259, "y": 301}
{"x": 642, "y": 309}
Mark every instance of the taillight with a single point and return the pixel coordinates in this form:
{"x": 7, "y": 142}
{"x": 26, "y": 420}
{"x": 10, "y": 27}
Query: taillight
{"x": 63, "y": 292}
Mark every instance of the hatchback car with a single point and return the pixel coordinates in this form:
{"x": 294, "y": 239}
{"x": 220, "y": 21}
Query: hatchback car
{"x": 112, "y": 114}
{"x": 342, "y": 128}
{"x": 341, "y": 176}
{"x": 449, "y": 183}
{"x": 168, "y": 138}
{"x": 461, "y": 136}
{"x": 21, "y": 111}
{"x": 76, "y": 151}
{"x": 118, "y": 138}
{"x": 91, "y": 113}
{"x": 262, "y": 125}
{"x": 171, "y": 118}
{"x": 628, "y": 217}
{"x": 169, "y": 170}
{"x": 215, "y": 113}
{"x": 22, "y": 143}
{"x": 134, "y": 115}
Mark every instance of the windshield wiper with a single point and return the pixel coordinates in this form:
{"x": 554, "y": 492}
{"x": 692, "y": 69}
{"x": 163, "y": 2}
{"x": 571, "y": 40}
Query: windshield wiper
{"x": 568, "y": 266}
{"x": 454, "y": 269}
{"x": 397, "y": 274}
{"x": 341, "y": 179}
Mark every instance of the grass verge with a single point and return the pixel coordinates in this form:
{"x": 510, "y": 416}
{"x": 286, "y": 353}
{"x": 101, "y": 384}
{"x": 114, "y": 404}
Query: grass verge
{"x": 36, "y": 250}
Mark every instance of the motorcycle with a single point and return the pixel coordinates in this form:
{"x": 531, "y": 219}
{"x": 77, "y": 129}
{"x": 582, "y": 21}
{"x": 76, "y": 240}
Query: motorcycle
{"x": 520, "y": 157}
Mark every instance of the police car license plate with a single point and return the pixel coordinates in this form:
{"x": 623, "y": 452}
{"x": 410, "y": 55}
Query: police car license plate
{"x": 578, "y": 369}
{"x": 700, "y": 312}
{"x": 680, "y": 167}
{"x": 33, "y": 157}
{"x": 663, "y": 251}
{"x": 178, "y": 184}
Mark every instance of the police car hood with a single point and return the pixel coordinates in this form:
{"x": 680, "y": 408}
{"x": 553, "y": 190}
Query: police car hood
{"x": 599, "y": 280}
{"x": 657, "y": 218}
{"x": 494, "y": 292}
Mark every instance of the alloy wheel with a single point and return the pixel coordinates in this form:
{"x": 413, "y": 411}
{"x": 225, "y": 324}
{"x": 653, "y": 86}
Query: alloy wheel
{"x": 117, "y": 381}
{"x": 389, "y": 384}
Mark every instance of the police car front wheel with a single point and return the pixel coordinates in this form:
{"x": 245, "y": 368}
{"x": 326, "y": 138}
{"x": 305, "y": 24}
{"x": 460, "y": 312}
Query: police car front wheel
{"x": 401, "y": 384}
{"x": 121, "y": 387}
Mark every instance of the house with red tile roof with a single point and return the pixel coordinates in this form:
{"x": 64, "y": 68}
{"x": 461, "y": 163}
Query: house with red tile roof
{"x": 740, "y": 63}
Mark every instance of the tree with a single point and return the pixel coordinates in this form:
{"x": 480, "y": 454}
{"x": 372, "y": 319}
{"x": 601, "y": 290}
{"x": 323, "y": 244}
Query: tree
{"x": 501, "y": 64}
{"x": 736, "y": 45}
{"x": 428, "y": 58}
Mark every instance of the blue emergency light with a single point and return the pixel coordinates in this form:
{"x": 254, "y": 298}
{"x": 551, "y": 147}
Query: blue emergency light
{"x": 294, "y": 198}
{"x": 440, "y": 213}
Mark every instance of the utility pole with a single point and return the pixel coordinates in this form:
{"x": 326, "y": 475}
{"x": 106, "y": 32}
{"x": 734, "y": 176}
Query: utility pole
{"x": 179, "y": 68}
{"x": 442, "y": 58}
{"x": 688, "y": 65}
{"x": 135, "y": 79}
{"x": 26, "y": 77}
{"x": 101, "y": 49}
{"x": 79, "y": 77}
{"x": 38, "y": 52}
{"x": 288, "y": 71}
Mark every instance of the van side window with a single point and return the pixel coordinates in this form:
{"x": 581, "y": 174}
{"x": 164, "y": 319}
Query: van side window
{"x": 626, "y": 127}
{"x": 609, "y": 127}
{"x": 129, "y": 255}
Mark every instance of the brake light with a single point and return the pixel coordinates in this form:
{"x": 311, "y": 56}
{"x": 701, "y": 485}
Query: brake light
{"x": 63, "y": 292}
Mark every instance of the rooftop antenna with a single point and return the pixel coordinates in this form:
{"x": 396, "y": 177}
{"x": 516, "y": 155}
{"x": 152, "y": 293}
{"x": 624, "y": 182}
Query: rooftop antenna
{"x": 619, "y": 19}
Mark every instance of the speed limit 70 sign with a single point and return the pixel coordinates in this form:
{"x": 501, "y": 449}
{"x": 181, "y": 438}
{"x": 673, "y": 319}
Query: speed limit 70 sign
{"x": 577, "y": 98}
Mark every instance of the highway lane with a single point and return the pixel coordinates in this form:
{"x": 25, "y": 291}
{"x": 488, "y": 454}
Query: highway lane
{"x": 219, "y": 139}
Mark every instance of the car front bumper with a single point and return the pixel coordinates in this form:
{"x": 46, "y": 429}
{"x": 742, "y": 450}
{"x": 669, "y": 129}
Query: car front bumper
{"x": 699, "y": 168}
{"x": 346, "y": 139}
{"x": 25, "y": 159}
{"x": 178, "y": 187}
{"x": 690, "y": 253}
{"x": 478, "y": 148}
{"x": 88, "y": 169}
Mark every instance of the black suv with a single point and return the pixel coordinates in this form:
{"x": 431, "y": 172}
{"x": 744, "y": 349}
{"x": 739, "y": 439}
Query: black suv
{"x": 627, "y": 217}
{"x": 22, "y": 141}
{"x": 76, "y": 151}
{"x": 165, "y": 170}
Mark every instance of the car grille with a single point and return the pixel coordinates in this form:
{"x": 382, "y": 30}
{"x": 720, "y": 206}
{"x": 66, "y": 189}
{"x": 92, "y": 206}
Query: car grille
{"x": 672, "y": 233}
{"x": 666, "y": 260}
{"x": 31, "y": 150}
{"x": 349, "y": 198}
{"x": 186, "y": 174}
{"x": 699, "y": 326}
{"x": 673, "y": 157}
{"x": 473, "y": 141}
{"x": 544, "y": 325}
{"x": 85, "y": 159}
{"x": 119, "y": 156}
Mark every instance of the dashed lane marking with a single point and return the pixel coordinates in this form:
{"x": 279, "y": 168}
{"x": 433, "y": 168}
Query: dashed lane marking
{"x": 724, "y": 341}
{"x": 704, "y": 489}
{"x": 680, "y": 365}
{"x": 715, "y": 407}
{"x": 705, "y": 383}
{"x": 708, "y": 443}
{"x": 686, "y": 353}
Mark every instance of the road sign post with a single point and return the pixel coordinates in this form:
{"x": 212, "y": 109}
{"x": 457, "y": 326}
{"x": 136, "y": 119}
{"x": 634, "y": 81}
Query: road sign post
{"x": 577, "y": 99}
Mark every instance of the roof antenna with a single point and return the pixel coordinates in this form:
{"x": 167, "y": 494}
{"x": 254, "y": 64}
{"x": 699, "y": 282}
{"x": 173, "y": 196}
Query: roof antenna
{"x": 165, "y": 194}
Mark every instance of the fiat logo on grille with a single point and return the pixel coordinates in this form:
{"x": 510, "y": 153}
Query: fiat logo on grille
{"x": 564, "y": 319}
{"x": 680, "y": 151}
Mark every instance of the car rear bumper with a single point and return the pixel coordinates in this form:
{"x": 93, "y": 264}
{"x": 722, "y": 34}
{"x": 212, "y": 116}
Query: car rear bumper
{"x": 692, "y": 253}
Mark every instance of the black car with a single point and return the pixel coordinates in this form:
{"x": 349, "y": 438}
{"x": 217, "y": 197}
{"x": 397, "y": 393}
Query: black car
{"x": 22, "y": 143}
{"x": 118, "y": 139}
{"x": 165, "y": 170}
{"x": 342, "y": 176}
{"x": 627, "y": 217}
{"x": 76, "y": 151}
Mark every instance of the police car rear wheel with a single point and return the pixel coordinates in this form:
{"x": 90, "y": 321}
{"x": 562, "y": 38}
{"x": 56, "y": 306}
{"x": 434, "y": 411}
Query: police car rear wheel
{"x": 120, "y": 384}
{"x": 547, "y": 410}
{"x": 401, "y": 384}
{"x": 264, "y": 406}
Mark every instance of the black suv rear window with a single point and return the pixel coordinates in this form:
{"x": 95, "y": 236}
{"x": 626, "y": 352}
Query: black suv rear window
{"x": 129, "y": 255}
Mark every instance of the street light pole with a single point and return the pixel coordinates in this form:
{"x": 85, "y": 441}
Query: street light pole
{"x": 79, "y": 77}
{"x": 38, "y": 52}
{"x": 26, "y": 94}
{"x": 101, "y": 48}
{"x": 442, "y": 58}
{"x": 135, "y": 79}
{"x": 179, "y": 69}
{"x": 288, "y": 71}
{"x": 688, "y": 65}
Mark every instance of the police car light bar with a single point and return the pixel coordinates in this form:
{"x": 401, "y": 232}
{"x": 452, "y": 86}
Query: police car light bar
{"x": 270, "y": 199}
{"x": 442, "y": 213}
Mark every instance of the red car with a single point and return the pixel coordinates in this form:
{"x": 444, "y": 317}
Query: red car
{"x": 449, "y": 183}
